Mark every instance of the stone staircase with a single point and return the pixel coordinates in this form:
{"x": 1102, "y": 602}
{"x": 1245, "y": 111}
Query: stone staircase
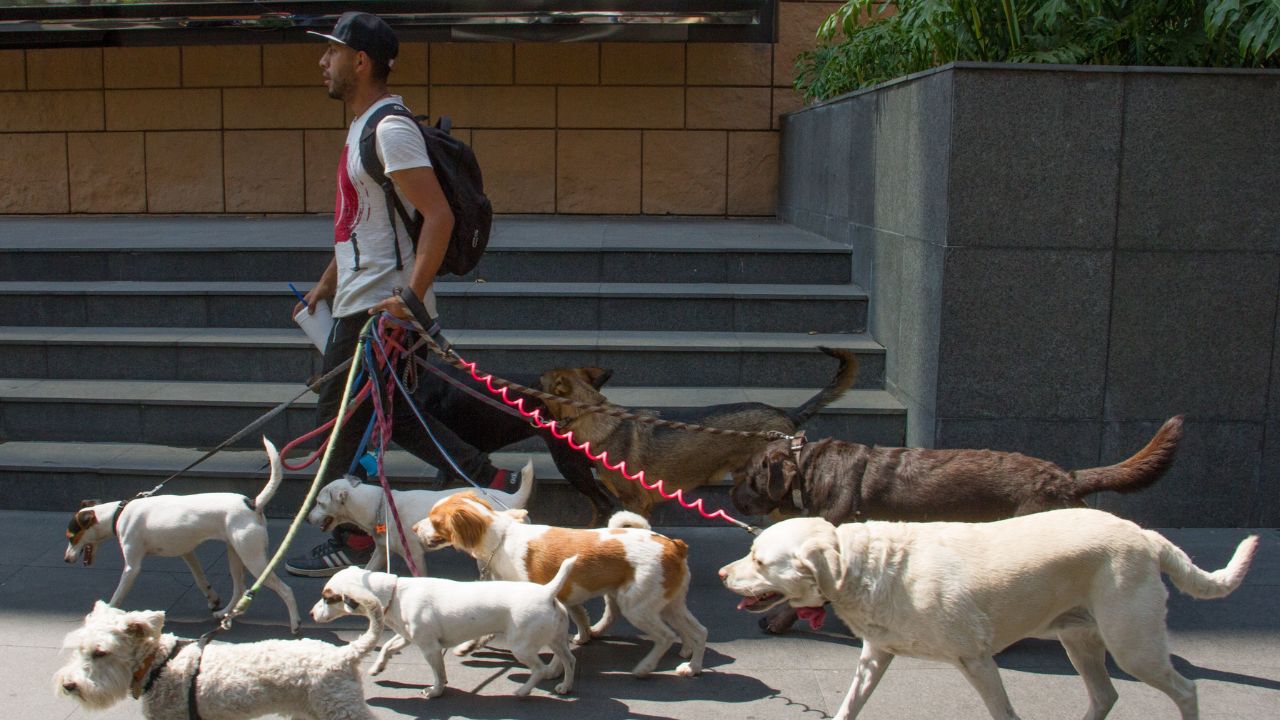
{"x": 129, "y": 345}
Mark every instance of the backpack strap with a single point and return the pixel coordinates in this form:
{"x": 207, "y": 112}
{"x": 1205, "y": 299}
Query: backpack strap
{"x": 373, "y": 166}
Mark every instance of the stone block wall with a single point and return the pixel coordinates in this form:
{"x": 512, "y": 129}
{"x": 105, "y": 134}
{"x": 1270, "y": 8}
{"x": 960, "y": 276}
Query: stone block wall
{"x": 1061, "y": 258}
{"x": 626, "y": 128}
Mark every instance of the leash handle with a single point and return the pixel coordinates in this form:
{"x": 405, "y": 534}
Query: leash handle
{"x": 427, "y": 325}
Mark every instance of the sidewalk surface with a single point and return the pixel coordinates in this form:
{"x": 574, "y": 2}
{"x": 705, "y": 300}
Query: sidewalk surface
{"x": 1231, "y": 647}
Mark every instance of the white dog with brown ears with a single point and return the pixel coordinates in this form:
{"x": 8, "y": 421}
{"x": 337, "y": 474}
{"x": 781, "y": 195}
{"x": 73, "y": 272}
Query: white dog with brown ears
{"x": 118, "y": 653}
{"x": 639, "y": 572}
{"x": 435, "y": 613}
{"x": 174, "y": 525}
{"x": 348, "y": 500}
{"x": 962, "y": 592}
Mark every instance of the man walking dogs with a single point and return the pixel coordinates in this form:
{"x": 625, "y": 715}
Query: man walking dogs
{"x": 374, "y": 254}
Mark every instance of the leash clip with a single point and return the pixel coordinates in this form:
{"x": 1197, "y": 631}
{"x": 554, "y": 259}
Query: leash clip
{"x": 798, "y": 442}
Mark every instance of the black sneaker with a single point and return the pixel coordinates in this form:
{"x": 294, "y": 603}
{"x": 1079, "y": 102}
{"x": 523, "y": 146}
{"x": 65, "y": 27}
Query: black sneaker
{"x": 327, "y": 559}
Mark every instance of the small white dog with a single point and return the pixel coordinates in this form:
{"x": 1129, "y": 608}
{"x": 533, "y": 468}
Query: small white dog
{"x": 434, "y": 614}
{"x": 348, "y": 500}
{"x": 641, "y": 574}
{"x": 962, "y": 592}
{"x": 174, "y": 525}
{"x": 118, "y": 653}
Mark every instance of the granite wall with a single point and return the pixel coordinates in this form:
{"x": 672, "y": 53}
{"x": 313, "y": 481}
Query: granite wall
{"x": 1061, "y": 258}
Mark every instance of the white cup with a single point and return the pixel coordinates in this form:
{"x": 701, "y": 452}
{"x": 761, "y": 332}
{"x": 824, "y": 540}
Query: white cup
{"x": 317, "y": 325}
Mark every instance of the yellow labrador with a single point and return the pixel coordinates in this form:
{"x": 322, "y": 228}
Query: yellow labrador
{"x": 962, "y": 592}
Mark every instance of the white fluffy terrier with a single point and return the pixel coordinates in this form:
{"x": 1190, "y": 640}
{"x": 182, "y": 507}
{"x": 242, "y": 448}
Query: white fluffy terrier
{"x": 347, "y": 500}
{"x": 174, "y": 525}
{"x": 119, "y": 653}
{"x": 434, "y": 613}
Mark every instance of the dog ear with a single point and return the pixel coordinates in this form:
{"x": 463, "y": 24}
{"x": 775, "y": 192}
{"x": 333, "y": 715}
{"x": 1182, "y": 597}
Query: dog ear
{"x": 354, "y": 481}
{"x": 597, "y": 376}
{"x": 817, "y": 558}
{"x": 467, "y": 526}
{"x": 782, "y": 474}
{"x": 85, "y": 518}
{"x": 145, "y": 623}
{"x": 89, "y": 503}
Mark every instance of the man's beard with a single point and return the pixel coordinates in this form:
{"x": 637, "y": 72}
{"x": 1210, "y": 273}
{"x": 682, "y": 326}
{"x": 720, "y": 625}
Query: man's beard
{"x": 339, "y": 87}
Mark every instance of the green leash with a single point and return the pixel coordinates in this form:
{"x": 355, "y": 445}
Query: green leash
{"x": 245, "y": 601}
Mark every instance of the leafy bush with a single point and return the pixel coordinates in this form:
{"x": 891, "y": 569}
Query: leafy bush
{"x": 869, "y": 41}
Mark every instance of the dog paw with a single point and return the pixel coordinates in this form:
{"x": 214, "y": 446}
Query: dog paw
{"x": 377, "y": 670}
{"x": 688, "y": 670}
{"x": 215, "y": 603}
{"x": 296, "y": 630}
{"x": 685, "y": 652}
{"x": 581, "y": 639}
{"x": 563, "y": 689}
{"x": 434, "y": 691}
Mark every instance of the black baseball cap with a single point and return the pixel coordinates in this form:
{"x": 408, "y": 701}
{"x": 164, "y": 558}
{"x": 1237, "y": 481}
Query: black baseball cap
{"x": 366, "y": 33}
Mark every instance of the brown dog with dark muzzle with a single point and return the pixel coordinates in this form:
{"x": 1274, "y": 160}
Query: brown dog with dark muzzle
{"x": 846, "y": 482}
{"x": 682, "y": 459}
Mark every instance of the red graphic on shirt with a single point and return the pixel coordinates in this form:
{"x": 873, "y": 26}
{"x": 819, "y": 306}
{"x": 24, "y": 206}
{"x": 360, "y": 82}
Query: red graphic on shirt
{"x": 345, "y": 205}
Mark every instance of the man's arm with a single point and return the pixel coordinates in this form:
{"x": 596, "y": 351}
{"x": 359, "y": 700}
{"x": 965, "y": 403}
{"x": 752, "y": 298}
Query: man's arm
{"x": 421, "y": 188}
{"x": 323, "y": 290}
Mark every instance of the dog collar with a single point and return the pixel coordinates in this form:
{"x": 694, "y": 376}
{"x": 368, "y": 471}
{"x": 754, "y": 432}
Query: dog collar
{"x": 138, "y": 688}
{"x": 115, "y": 518}
{"x": 797, "y": 499}
{"x": 797, "y": 443}
{"x": 485, "y": 573}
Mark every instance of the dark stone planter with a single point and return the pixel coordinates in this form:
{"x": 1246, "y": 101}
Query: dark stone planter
{"x": 1061, "y": 257}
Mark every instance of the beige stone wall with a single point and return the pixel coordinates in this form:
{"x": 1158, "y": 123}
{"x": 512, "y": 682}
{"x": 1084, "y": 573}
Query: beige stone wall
{"x": 626, "y": 128}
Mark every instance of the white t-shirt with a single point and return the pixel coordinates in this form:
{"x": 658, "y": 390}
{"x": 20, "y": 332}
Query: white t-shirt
{"x": 362, "y": 238}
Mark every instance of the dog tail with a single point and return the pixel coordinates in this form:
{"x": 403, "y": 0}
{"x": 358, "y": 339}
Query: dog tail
{"x": 628, "y": 519}
{"x": 369, "y": 607}
{"x": 277, "y": 477}
{"x": 562, "y": 577}
{"x": 1198, "y": 583}
{"x": 520, "y": 499}
{"x": 845, "y": 375}
{"x": 1139, "y": 471}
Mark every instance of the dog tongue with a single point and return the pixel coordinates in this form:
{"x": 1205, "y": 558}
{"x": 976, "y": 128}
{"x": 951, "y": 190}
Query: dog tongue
{"x": 814, "y": 615}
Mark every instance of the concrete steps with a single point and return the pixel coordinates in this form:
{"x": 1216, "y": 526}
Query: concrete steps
{"x": 521, "y": 249}
{"x": 489, "y": 305}
{"x": 285, "y": 354}
{"x": 130, "y": 344}
{"x": 202, "y": 414}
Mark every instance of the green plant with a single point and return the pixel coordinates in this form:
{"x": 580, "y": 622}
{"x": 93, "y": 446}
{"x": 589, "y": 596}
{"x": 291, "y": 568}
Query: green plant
{"x": 870, "y": 41}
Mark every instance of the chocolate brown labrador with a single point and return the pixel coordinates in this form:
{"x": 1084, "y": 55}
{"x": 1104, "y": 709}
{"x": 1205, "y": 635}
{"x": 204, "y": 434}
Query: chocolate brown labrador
{"x": 846, "y": 482}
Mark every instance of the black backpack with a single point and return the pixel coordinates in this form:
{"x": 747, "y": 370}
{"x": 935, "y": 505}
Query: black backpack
{"x": 459, "y": 175}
